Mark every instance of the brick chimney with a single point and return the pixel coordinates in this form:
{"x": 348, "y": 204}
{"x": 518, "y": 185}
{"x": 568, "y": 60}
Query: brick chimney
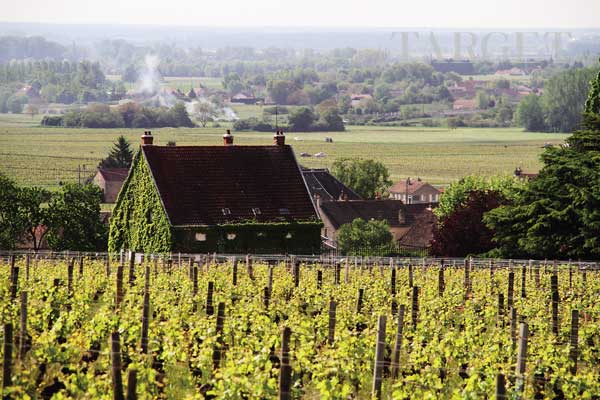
{"x": 279, "y": 138}
{"x": 228, "y": 138}
{"x": 147, "y": 138}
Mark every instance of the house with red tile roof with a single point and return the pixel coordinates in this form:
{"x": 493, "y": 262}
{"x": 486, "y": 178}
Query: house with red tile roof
{"x": 228, "y": 199}
{"x": 412, "y": 191}
{"x": 110, "y": 180}
{"x": 411, "y": 225}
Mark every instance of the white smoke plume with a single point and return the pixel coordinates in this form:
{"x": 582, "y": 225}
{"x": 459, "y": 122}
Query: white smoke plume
{"x": 149, "y": 78}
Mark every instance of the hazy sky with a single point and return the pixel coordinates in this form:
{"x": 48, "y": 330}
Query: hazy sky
{"x": 325, "y": 13}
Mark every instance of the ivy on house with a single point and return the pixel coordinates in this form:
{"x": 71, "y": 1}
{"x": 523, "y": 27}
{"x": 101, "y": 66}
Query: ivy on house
{"x": 252, "y": 237}
{"x": 139, "y": 221}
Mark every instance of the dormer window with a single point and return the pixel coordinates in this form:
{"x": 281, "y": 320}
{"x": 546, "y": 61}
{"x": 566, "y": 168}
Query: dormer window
{"x": 226, "y": 211}
{"x": 401, "y": 217}
{"x": 256, "y": 211}
{"x": 231, "y": 236}
{"x": 200, "y": 237}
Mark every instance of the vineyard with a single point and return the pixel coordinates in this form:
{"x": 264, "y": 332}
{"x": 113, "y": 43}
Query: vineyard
{"x": 179, "y": 327}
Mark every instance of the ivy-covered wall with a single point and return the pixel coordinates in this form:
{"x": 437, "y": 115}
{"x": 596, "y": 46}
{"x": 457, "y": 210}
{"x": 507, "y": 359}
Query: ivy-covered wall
{"x": 139, "y": 221}
{"x": 252, "y": 237}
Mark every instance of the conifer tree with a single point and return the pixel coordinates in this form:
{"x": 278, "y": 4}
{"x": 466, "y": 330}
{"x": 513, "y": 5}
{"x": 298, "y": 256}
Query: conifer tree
{"x": 120, "y": 155}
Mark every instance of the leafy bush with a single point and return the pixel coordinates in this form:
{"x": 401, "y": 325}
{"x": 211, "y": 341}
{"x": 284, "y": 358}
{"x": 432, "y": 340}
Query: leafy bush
{"x": 52, "y": 120}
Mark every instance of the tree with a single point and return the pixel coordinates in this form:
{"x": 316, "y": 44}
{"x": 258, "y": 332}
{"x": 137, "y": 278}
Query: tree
{"x": 504, "y": 113}
{"x": 31, "y": 110}
{"x": 556, "y": 215}
{"x": 34, "y": 214}
{"x": 120, "y": 155}
{"x": 301, "y": 119}
{"x": 332, "y": 121}
{"x": 463, "y": 232}
{"x": 368, "y": 178}
{"x": 530, "y": 114}
{"x": 75, "y": 219}
{"x": 279, "y": 90}
{"x": 180, "y": 116}
{"x": 130, "y": 74}
{"x": 11, "y": 225}
{"x": 564, "y": 99}
{"x": 483, "y": 100}
{"x": 365, "y": 238}
{"x": 204, "y": 112}
{"x": 457, "y": 193}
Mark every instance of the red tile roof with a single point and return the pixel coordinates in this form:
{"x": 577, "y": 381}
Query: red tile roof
{"x": 344, "y": 212}
{"x": 419, "y": 218}
{"x": 404, "y": 187}
{"x": 320, "y": 182}
{"x": 209, "y": 185}
{"x": 421, "y": 230}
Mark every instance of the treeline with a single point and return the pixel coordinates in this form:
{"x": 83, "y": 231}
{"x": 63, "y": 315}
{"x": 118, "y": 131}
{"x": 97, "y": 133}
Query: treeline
{"x": 302, "y": 119}
{"x": 128, "y": 115}
{"x": 34, "y": 47}
{"x": 55, "y": 82}
{"x": 560, "y": 106}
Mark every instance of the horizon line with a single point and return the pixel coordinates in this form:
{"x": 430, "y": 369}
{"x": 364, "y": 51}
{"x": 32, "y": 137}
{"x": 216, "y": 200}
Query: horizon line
{"x": 303, "y": 27}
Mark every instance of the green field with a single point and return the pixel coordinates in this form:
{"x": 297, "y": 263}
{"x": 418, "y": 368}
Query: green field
{"x": 47, "y": 156}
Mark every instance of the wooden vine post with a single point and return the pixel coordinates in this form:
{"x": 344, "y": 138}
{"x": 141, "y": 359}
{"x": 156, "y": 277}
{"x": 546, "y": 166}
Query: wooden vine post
{"x": 285, "y": 369}
{"x": 270, "y": 284}
{"x": 574, "y": 341}
{"x": 145, "y": 321}
{"x": 7, "y": 356}
{"x": 555, "y": 301}
{"x": 266, "y": 297}
{"x": 521, "y": 360}
{"x": 81, "y": 261}
{"x": 500, "y": 387}
{"x": 70, "y": 277}
{"x": 195, "y": 281}
{"x": 523, "y": 282}
{"x": 398, "y": 343}
{"x": 346, "y": 271}
{"x": 23, "y": 328}
{"x": 234, "y": 278}
{"x": 513, "y": 326}
{"x": 132, "y": 268}
{"x": 107, "y": 265}
{"x": 441, "y": 285}
{"x": 511, "y": 290}
{"x": 115, "y": 353}
{"x": 27, "y": 263}
{"x": 296, "y": 273}
{"x": 410, "y": 276}
{"x": 359, "y": 300}
{"x": 379, "y": 357}
{"x": 331, "y": 331}
{"x": 209, "y": 299}
{"x": 219, "y": 345}
{"x": 415, "y": 306}
{"x": 501, "y": 309}
{"x": 336, "y": 271}
{"x": 319, "y": 279}
{"x": 132, "y": 385}
{"x": 249, "y": 267}
{"x": 393, "y": 282}
{"x": 119, "y": 297}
